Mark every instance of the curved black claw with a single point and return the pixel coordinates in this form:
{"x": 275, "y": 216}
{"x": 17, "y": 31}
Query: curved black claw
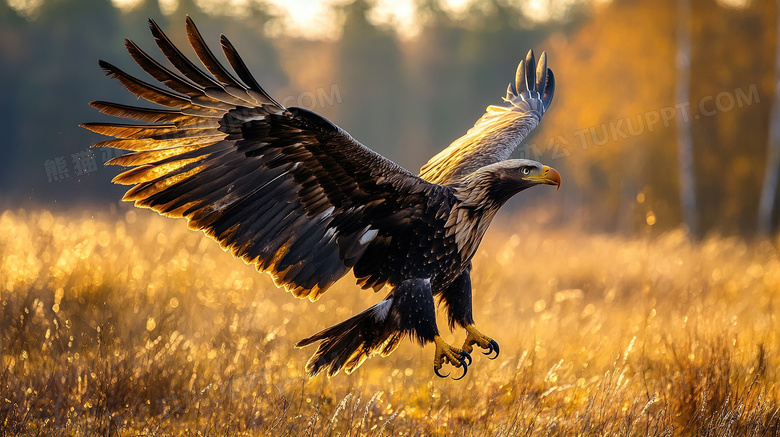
{"x": 465, "y": 367}
{"x": 492, "y": 347}
{"x": 436, "y": 371}
{"x": 465, "y": 356}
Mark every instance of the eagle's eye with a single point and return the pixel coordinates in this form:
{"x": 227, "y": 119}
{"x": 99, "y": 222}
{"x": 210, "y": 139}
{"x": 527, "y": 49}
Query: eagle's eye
{"x": 526, "y": 170}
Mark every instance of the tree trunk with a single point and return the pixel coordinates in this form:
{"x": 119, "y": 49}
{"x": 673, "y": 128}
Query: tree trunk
{"x": 772, "y": 170}
{"x": 684, "y": 141}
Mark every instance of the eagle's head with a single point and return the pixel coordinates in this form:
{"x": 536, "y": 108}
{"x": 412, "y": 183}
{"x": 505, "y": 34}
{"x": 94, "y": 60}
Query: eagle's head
{"x": 492, "y": 185}
{"x": 497, "y": 182}
{"x": 525, "y": 173}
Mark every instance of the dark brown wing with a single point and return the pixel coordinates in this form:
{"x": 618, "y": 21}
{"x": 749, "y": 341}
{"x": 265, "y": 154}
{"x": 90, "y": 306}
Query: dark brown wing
{"x": 281, "y": 188}
{"x": 499, "y": 131}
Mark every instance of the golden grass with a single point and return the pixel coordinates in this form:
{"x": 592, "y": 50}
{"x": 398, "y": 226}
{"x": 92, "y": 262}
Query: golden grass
{"x": 130, "y": 324}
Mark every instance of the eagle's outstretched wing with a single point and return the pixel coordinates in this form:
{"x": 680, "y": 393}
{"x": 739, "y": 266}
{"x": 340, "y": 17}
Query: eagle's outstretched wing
{"x": 281, "y": 188}
{"x": 499, "y": 131}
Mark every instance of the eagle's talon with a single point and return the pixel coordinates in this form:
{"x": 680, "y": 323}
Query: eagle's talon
{"x": 464, "y": 357}
{"x": 481, "y": 340}
{"x": 492, "y": 347}
{"x": 449, "y": 355}
{"x": 465, "y": 370}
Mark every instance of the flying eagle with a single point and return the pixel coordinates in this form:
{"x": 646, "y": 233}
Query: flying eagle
{"x": 290, "y": 192}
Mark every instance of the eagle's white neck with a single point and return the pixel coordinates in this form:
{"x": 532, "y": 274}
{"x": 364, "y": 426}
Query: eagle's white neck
{"x": 472, "y": 214}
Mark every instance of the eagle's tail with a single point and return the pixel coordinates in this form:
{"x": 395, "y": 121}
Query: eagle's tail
{"x": 347, "y": 344}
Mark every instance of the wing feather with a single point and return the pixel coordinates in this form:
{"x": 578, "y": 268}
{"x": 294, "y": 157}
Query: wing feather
{"x": 501, "y": 129}
{"x": 207, "y": 58}
{"x": 281, "y": 188}
{"x": 163, "y": 74}
{"x": 240, "y": 68}
{"x": 178, "y": 60}
{"x": 137, "y": 113}
{"x": 142, "y": 89}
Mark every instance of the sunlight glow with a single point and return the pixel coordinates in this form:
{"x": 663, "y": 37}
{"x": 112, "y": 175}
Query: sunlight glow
{"x": 542, "y": 11}
{"x": 168, "y": 7}
{"x": 25, "y": 8}
{"x": 538, "y": 10}
{"x": 456, "y": 7}
{"x": 316, "y": 19}
{"x": 312, "y": 19}
{"x": 231, "y": 8}
{"x": 736, "y": 4}
{"x": 126, "y": 5}
{"x": 398, "y": 14}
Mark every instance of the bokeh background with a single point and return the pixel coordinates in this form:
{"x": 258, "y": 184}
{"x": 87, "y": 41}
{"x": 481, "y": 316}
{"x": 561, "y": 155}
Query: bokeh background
{"x": 639, "y": 299}
{"x": 661, "y": 120}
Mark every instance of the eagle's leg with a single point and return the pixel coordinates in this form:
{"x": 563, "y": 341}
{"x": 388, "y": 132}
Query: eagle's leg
{"x": 416, "y": 314}
{"x": 408, "y": 310}
{"x": 457, "y": 299}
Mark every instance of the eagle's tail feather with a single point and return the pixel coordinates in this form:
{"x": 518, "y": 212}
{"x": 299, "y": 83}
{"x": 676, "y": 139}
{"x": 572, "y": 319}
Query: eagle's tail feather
{"x": 347, "y": 344}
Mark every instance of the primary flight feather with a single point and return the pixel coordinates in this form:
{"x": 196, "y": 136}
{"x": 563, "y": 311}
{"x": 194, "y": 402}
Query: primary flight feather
{"x": 290, "y": 192}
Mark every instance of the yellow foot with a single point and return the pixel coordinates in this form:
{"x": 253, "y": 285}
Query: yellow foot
{"x": 481, "y": 340}
{"x": 451, "y": 355}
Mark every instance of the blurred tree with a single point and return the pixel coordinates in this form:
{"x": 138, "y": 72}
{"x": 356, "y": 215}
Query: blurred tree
{"x": 132, "y": 22}
{"x": 61, "y": 76}
{"x": 439, "y": 83}
{"x": 14, "y": 55}
{"x": 682, "y": 86}
{"x": 605, "y": 126}
{"x": 772, "y": 168}
{"x": 370, "y": 75}
{"x": 459, "y": 67}
{"x": 408, "y": 97}
{"x": 732, "y": 81}
{"x": 617, "y": 86}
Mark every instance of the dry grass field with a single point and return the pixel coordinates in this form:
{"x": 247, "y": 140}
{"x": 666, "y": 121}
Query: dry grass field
{"x": 129, "y": 324}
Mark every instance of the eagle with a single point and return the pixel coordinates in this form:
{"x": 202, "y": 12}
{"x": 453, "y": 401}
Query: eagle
{"x": 288, "y": 191}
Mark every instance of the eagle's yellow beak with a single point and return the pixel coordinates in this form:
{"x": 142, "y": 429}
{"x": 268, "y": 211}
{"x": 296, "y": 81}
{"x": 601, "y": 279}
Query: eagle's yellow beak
{"x": 549, "y": 176}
